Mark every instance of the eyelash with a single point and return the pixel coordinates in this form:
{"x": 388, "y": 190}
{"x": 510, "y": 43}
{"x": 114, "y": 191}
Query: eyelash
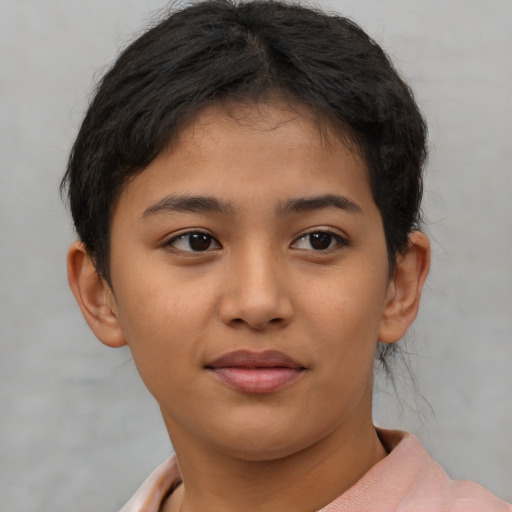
{"x": 184, "y": 236}
{"x": 340, "y": 241}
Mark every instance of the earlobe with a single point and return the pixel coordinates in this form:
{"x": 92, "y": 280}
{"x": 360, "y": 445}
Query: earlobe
{"x": 405, "y": 289}
{"x": 94, "y": 296}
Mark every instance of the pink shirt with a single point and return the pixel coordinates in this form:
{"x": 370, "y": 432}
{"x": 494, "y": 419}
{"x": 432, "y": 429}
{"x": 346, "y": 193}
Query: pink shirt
{"x": 407, "y": 480}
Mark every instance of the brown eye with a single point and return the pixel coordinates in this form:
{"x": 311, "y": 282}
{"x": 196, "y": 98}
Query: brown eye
{"x": 194, "y": 242}
{"x": 199, "y": 241}
{"x": 318, "y": 241}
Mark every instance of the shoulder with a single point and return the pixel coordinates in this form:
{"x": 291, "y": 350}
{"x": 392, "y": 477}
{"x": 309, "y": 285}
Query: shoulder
{"x": 409, "y": 480}
{"x": 157, "y": 486}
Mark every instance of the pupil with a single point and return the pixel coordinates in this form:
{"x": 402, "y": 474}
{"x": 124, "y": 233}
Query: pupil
{"x": 199, "y": 241}
{"x": 320, "y": 241}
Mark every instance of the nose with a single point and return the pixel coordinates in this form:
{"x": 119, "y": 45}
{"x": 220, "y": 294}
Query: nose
{"x": 256, "y": 294}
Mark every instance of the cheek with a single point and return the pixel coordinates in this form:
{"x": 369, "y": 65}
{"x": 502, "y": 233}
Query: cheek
{"x": 343, "y": 316}
{"x": 164, "y": 318}
{"x": 156, "y": 298}
{"x": 344, "y": 324}
{"x": 347, "y": 304}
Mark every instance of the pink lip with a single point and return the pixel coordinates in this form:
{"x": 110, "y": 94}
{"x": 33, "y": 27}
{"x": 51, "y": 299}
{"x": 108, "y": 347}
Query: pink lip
{"x": 256, "y": 372}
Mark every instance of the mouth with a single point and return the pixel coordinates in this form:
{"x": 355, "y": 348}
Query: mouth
{"x": 256, "y": 372}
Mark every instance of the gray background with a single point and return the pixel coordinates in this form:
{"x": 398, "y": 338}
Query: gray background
{"x": 77, "y": 429}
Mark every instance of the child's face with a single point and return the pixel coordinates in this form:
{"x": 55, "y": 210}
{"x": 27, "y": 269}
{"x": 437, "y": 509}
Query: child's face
{"x": 287, "y": 254}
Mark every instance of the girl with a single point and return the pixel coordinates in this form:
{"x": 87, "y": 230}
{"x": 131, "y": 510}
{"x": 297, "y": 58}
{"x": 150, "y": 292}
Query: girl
{"x": 246, "y": 187}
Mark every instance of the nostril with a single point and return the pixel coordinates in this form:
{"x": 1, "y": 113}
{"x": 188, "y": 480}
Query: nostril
{"x": 237, "y": 322}
{"x": 257, "y": 311}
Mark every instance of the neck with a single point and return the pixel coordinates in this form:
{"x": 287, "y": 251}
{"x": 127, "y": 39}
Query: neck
{"x": 217, "y": 482}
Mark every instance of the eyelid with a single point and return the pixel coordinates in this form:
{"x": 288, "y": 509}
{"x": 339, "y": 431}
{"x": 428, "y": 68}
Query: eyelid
{"x": 343, "y": 240}
{"x": 168, "y": 242}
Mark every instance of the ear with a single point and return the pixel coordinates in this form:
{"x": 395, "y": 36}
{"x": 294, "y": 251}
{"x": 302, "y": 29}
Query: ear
{"x": 94, "y": 297}
{"x": 404, "y": 292}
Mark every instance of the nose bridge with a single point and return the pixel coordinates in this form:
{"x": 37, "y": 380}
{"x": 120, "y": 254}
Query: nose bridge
{"x": 256, "y": 294}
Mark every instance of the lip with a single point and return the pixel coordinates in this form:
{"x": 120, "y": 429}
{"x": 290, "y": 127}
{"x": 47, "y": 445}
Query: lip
{"x": 256, "y": 372}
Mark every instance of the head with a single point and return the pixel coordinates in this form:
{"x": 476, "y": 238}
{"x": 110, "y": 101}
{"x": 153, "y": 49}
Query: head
{"x": 250, "y": 176}
{"x": 219, "y": 51}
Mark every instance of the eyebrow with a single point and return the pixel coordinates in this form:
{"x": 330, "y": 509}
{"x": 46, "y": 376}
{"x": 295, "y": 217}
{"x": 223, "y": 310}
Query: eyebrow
{"x": 206, "y": 204}
{"x": 306, "y": 204}
{"x": 193, "y": 204}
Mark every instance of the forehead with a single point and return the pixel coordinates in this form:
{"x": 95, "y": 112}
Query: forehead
{"x": 287, "y": 123}
{"x": 252, "y": 152}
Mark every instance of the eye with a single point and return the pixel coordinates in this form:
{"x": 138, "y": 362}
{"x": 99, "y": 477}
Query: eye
{"x": 195, "y": 241}
{"x": 318, "y": 241}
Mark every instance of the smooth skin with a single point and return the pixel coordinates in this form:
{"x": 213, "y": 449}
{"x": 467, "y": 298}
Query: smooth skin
{"x": 254, "y": 231}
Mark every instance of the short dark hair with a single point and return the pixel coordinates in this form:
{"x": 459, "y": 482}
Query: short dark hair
{"x": 219, "y": 50}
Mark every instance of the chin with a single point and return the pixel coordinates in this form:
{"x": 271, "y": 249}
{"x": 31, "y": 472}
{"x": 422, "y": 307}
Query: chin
{"x": 267, "y": 444}
{"x": 265, "y": 452}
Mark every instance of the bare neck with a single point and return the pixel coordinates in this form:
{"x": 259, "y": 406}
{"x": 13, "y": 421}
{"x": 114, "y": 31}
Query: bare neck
{"x": 304, "y": 481}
